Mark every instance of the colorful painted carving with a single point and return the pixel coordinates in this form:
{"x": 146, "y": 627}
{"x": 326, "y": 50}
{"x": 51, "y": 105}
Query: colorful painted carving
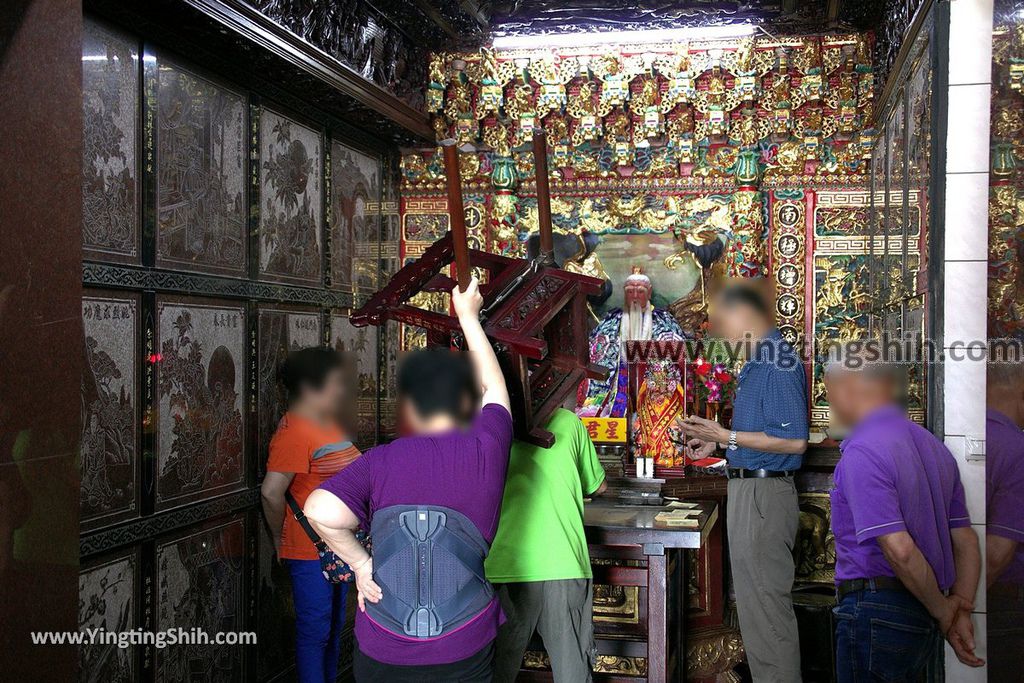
{"x": 1006, "y": 194}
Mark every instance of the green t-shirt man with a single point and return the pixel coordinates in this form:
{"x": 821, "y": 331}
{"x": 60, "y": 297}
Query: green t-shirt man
{"x": 540, "y": 533}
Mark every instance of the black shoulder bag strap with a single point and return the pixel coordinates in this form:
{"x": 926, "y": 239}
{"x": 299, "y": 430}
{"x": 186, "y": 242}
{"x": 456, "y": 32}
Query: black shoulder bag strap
{"x": 334, "y": 569}
{"x": 300, "y": 517}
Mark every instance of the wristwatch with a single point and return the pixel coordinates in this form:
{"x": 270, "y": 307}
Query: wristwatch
{"x": 732, "y": 441}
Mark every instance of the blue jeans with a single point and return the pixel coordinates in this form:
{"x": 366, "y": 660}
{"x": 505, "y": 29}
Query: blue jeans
{"x": 883, "y": 635}
{"x": 319, "y": 618}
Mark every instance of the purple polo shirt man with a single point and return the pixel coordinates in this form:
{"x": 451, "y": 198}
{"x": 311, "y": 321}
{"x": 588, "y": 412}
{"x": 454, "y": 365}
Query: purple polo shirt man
{"x": 894, "y": 475}
{"x": 1004, "y": 495}
{"x": 1004, "y": 528}
{"x": 907, "y": 559}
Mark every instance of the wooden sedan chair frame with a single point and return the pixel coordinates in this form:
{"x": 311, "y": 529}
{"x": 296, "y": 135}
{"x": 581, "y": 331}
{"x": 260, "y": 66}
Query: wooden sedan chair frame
{"x": 534, "y": 313}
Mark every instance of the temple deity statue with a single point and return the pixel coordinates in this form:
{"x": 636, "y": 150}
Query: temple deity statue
{"x": 660, "y": 399}
{"x": 638, "y": 321}
{"x": 649, "y": 394}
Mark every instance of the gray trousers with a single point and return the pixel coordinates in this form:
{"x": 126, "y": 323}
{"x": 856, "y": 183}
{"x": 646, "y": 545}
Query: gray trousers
{"x": 762, "y": 517}
{"x": 562, "y": 612}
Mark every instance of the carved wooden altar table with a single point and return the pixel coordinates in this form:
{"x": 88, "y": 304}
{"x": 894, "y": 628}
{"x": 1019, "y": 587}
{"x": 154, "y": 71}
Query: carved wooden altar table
{"x": 647, "y": 561}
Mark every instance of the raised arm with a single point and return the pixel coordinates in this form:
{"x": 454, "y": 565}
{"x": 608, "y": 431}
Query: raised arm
{"x": 467, "y": 306}
{"x": 592, "y": 474}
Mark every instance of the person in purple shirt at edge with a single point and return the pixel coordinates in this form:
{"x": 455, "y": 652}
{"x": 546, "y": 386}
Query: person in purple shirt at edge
{"x": 449, "y": 460}
{"x": 907, "y": 559}
{"x": 1004, "y": 528}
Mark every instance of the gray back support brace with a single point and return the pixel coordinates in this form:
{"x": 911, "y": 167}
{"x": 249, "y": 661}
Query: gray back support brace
{"x": 429, "y": 562}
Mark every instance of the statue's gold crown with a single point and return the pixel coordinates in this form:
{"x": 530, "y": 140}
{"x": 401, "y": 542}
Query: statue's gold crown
{"x": 638, "y": 277}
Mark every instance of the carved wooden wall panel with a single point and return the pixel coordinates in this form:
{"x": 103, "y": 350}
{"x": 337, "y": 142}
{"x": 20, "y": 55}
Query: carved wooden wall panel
{"x": 207, "y": 259}
{"x": 200, "y": 584}
{"x": 291, "y": 206}
{"x": 1006, "y": 181}
{"x": 108, "y": 601}
{"x": 355, "y": 211}
{"x": 362, "y": 36}
{"x": 359, "y": 344}
{"x": 200, "y": 419}
{"x": 110, "y": 408}
{"x": 200, "y": 173}
{"x": 110, "y": 82}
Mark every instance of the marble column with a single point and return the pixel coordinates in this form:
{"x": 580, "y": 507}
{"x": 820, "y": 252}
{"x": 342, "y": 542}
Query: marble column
{"x": 965, "y": 269}
{"x": 41, "y": 339}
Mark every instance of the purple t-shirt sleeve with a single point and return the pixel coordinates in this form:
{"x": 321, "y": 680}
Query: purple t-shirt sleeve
{"x": 493, "y": 431}
{"x": 353, "y": 486}
{"x": 1005, "y": 507}
{"x": 870, "y": 490}
{"x": 958, "y": 515}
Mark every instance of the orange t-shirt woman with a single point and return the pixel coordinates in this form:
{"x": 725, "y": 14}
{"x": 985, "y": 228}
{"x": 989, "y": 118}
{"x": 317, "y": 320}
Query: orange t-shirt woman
{"x": 308, "y": 447}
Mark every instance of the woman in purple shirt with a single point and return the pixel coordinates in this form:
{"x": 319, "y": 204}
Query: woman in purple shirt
{"x": 907, "y": 559}
{"x": 448, "y": 462}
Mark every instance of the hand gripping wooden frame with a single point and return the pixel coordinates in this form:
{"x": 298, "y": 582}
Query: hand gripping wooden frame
{"x": 534, "y": 313}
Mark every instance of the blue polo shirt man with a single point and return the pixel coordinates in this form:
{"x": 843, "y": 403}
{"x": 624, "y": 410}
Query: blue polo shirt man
{"x": 771, "y": 397}
{"x": 764, "y": 447}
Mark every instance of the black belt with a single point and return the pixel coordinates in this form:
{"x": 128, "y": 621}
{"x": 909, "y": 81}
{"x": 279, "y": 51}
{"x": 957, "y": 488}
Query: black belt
{"x": 740, "y": 473}
{"x": 879, "y": 583}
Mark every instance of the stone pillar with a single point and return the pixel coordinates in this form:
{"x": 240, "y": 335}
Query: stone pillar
{"x": 41, "y": 339}
{"x": 965, "y": 269}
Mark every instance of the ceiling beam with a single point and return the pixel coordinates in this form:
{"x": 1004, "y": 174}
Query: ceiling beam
{"x": 832, "y": 12}
{"x": 472, "y": 8}
{"x": 435, "y": 16}
{"x": 256, "y": 27}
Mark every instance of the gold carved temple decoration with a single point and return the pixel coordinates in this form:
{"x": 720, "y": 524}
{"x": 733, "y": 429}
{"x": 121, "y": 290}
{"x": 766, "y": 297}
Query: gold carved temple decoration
{"x": 642, "y": 134}
{"x": 1006, "y": 191}
{"x": 792, "y": 108}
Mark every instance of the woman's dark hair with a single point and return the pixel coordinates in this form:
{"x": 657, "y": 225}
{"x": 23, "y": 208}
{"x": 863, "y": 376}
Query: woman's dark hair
{"x": 743, "y": 295}
{"x": 307, "y": 368}
{"x": 438, "y": 381}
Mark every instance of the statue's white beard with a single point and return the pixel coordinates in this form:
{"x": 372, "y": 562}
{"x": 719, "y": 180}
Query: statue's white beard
{"x": 636, "y": 323}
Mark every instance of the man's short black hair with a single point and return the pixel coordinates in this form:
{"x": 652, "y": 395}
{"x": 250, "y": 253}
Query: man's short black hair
{"x": 738, "y": 294}
{"x": 307, "y": 368}
{"x": 438, "y": 381}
